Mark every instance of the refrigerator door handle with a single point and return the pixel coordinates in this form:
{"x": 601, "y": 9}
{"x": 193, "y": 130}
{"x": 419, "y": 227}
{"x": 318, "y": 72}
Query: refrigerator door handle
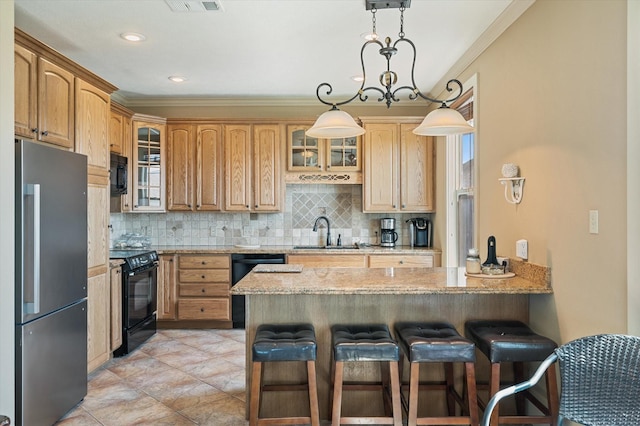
{"x": 34, "y": 307}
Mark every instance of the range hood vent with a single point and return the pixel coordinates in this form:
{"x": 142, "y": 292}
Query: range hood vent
{"x": 195, "y": 5}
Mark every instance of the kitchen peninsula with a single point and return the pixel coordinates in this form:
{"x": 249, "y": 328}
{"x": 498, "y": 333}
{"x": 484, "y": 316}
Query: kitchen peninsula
{"x": 327, "y": 296}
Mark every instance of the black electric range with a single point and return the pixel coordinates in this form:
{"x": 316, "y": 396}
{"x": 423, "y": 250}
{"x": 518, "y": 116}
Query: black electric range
{"x": 139, "y": 297}
{"x": 135, "y": 259}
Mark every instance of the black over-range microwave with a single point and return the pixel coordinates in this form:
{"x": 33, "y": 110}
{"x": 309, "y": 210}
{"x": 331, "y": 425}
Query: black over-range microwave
{"x": 118, "y": 175}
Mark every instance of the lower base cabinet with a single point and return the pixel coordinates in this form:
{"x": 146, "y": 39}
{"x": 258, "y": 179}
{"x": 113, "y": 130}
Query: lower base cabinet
{"x": 116, "y": 307}
{"x": 194, "y": 287}
{"x": 98, "y": 321}
{"x": 364, "y": 261}
{"x": 204, "y": 283}
{"x": 167, "y": 306}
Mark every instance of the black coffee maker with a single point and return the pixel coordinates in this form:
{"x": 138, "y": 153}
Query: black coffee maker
{"x": 420, "y": 232}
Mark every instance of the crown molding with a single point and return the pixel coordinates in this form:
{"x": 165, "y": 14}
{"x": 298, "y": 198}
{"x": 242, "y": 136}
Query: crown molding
{"x": 174, "y": 101}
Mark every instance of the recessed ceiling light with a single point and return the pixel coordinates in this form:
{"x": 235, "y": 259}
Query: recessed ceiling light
{"x": 133, "y": 36}
{"x": 369, "y": 36}
{"x": 177, "y": 79}
{"x": 358, "y": 78}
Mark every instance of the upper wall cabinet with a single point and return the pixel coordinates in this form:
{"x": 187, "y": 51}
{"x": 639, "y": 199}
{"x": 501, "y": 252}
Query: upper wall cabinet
{"x": 253, "y": 177}
{"x": 194, "y": 167}
{"x": 44, "y": 99}
{"x": 120, "y": 141}
{"x": 92, "y": 125}
{"x": 148, "y": 183}
{"x": 45, "y": 95}
{"x": 313, "y": 160}
{"x": 398, "y": 169}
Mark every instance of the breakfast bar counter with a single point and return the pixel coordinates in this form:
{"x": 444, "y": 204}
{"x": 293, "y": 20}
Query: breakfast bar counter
{"x": 287, "y": 279}
{"x": 327, "y": 296}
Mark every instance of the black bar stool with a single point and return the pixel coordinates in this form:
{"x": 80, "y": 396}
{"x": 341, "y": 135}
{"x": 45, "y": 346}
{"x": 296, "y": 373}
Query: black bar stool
{"x": 284, "y": 342}
{"x": 365, "y": 343}
{"x": 513, "y": 341}
{"x": 439, "y": 342}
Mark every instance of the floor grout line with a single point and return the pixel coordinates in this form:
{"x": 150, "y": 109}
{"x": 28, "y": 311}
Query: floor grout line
{"x": 214, "y": 406}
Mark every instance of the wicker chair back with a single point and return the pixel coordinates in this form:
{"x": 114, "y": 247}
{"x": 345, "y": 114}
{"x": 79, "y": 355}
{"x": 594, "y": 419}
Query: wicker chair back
{"x": 600, "y": 379}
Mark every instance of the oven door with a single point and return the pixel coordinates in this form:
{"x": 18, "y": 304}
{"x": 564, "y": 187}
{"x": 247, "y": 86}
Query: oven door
{"x": 140, "y": 295}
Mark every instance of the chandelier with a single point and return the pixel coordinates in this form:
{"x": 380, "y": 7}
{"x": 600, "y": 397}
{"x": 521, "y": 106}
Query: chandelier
{"x": 339, "y": 124}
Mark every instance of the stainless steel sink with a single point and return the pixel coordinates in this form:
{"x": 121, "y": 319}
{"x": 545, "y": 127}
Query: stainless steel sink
{"x": 325, "y": 247}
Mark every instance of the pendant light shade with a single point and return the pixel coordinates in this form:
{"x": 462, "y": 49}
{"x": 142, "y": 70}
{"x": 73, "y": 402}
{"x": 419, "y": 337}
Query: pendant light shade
{"x": 335, "y": 124}
{"x": 442, "y": 122}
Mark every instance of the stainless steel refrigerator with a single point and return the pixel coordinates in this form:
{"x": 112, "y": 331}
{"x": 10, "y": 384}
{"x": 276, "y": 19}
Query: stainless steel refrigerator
{"x": 51, "y": 282}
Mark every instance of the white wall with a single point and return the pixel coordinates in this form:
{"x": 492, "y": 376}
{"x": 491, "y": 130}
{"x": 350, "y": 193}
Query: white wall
{"x": 6, "y": 212}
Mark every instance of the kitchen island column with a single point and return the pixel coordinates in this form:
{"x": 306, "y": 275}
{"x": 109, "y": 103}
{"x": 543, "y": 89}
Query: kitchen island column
{"x": 328, "y": 296}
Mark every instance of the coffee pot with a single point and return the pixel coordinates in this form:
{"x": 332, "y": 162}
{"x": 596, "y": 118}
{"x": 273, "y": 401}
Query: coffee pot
{"x": 388, "y": 234}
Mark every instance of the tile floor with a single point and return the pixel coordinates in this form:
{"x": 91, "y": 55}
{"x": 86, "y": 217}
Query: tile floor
{"x": 178, "y": 377}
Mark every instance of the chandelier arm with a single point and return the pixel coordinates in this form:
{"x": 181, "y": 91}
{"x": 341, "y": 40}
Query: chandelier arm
{"x": 449, "y": 89}
{"x": 329, "y": 90}
{"x": 412, "y": 96}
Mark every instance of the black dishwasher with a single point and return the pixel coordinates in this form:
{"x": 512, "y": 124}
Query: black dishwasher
{"x": 241, "y": 265}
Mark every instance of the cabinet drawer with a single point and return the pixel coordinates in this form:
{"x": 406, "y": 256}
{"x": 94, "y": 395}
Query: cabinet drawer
{"x": 204, "y": 290}
{"x": 203, "y": 262}
{"x": 328, "y": 260}
{"x": 204, "y": 309}
{"x": 393, "y": 261}
{"x": 204, "y": 276}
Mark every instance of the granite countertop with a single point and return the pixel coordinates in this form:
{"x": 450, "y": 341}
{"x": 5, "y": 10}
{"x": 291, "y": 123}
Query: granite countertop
{"x": 290, "y": 250}
{"x": 398, "y": 281}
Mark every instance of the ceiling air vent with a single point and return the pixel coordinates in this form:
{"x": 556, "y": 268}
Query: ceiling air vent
{"x": 194, "y": 5}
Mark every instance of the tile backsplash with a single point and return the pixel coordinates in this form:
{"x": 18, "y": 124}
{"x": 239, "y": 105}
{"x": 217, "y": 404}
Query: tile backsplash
{"x": 342, "y": 204}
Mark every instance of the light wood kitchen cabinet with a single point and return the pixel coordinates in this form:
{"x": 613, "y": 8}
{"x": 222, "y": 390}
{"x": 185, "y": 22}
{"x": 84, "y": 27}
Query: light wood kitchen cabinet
{"x": 329, "y": 260}
{"x": 352, "y": 260}
{"x": 148, "y": 180}
{"x": 402, "y": 261}
{"x": 92, "y": 125}
{"x": 253, "y": 175}
{"x": 98, "y": 321}
{"x": 204, "y": 283}
{"x": 120, "y": 140}
{"x": 194, "y": 167}
{"x": 116, "y": 307}
{"x": 309, "y": 154}
{"x": 44, "y": 99}
{"x": 98, "y": 222}
{"x": 167, "y": 299}
{"x": 26, "y": 92}
{"x": 398, "y": 169}
{"x": 120, "y": 130}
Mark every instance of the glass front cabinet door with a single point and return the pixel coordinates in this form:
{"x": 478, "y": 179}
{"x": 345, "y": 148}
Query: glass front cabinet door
{"x": 149, "y": 167}
{"x": 308, "y": 154}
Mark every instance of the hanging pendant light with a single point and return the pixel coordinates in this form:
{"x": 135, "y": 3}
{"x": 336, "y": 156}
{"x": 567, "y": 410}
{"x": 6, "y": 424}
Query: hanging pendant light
{"x": 335, "y": 124}
{"x": 338, "y": 124}
{"x": 442, "y": 122}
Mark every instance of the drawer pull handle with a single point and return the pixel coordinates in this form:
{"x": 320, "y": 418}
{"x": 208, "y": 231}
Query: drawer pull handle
{"x": 201, "y": 309}
{"x": 203, "y": 262}
{"x": 401, "y": 262}
{"x": 203, "y": 290}
{"x": 203, "y": 277}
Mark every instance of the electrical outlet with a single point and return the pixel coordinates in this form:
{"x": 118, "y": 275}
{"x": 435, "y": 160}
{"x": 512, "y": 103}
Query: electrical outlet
{"x": 522, "y": 249}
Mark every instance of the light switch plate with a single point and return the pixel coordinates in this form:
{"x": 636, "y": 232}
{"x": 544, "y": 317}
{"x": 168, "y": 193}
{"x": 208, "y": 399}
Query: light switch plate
{"x": 593, "y": 221}
{"x": 522, "y": 249}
